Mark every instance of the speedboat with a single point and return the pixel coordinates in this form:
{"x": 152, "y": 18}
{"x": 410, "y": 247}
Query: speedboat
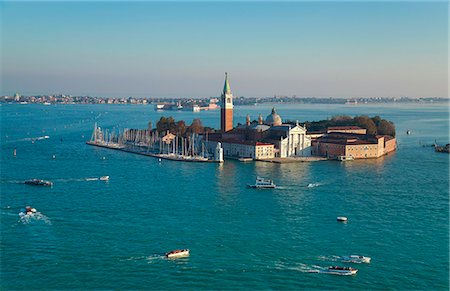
{"x": 342, "y": 218}
{"x": 28, "y": 211}
{"x": 38, "y": 182}
{"x": 356, "y": 259}
{"x": 104, "y": 178}
{"x": 335, "y": 270}
{"x": 178, "y": 254}
{"x": 262, "y": 183}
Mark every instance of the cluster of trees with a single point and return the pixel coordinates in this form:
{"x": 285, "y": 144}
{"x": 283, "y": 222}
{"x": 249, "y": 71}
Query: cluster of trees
{"x": 374, "y": 125}
{"x": 180, "y": 128}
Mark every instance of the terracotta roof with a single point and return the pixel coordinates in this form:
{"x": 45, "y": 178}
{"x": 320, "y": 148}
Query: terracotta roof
{"x": 350, "y": 127}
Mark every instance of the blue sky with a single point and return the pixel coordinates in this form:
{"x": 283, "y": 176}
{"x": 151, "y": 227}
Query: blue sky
{"x": 338, "y": 49}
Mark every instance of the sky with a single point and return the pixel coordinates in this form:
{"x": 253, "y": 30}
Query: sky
{"x": 183, "y": 49}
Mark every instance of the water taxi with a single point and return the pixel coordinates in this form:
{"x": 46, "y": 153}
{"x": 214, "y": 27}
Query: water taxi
{"x": 355, "y": 259}
{"x": 345, "y": 158}
{"x": 38, "y": 182}
{"x": 178, "y": 254}
{"x": 335, "y": 270}
{"x": 262, "y": 183}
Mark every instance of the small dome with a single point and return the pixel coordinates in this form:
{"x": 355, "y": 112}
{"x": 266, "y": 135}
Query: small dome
{"x": 273, "y": 119}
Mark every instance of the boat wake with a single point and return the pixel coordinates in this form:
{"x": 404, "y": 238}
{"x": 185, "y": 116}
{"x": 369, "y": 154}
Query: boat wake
{"x": 78, "y": 179}
{"x": 33, "y": 217}
{"x": 34, "y": 138}
{"x": 300, "y": 267}
{"x": 329, "y": 258}
{"x": 150, "y": 259}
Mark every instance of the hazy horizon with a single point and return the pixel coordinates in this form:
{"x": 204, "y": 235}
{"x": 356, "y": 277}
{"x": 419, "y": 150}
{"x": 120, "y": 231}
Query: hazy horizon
{"x": 178, "y": 49}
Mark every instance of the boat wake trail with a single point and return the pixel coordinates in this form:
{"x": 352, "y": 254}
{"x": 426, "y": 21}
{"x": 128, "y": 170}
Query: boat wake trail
{"x": 282, "y": 188}
{"x": 150, "y": 259}
{"x": 32, "y": 138}
{"x": 304, "y": 268}
{"x": 34, "y": 217}
{"x": 329, "y": 258}
{"x": 77, "y": 179}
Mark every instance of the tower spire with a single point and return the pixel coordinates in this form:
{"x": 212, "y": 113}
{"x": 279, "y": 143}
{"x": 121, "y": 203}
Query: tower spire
{"x": 226, "y": 86}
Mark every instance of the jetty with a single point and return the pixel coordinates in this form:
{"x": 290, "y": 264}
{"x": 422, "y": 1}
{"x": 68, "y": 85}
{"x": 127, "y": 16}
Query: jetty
{"x": 142, "y": 142}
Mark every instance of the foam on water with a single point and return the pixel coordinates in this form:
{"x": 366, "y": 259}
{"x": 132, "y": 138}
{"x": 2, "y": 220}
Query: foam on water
{"x": 34, "y": 217}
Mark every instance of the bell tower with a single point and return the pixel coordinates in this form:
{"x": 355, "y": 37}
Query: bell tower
{"x": 226, "y": 107}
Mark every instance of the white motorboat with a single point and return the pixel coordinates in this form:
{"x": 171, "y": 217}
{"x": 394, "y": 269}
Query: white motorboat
{"x": 356, "y": 259}
{"x": 335, "y": 270}
{"x": 345, "y": 158}
{"x": 342, "y": 218}
{"x": 262, "y": 183}
{"x": 104, "y": 178}
{"x": 178, "y": 254}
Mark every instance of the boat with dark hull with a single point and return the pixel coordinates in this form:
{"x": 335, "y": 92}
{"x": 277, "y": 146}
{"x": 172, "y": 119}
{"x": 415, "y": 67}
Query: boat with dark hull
{"x": 335, "y": 270}
{"x": 38, "y": 182}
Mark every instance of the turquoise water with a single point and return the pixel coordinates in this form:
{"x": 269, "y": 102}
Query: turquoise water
{"x": 111, "y": 235}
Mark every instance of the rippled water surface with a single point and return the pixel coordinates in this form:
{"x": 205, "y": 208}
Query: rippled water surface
{"x": 112, "y": 235}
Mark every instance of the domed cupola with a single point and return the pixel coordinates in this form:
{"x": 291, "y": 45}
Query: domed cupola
{"x": 273, "y": 119}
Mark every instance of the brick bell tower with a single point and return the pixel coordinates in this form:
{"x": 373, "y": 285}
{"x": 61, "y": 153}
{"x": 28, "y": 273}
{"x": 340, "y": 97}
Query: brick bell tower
{"x": 226, "y": 107}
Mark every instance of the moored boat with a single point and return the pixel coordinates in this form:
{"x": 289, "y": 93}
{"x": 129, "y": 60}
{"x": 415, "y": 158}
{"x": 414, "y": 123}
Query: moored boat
{"x": 38, "y": 182}
{"x": 345, "y": 158}
{"x": 336, "y": 270}
{"x": 342, "y": 218}
{"x": 178, "y": 253}
{"x": 262, "y": 183}
{"x": 355, "y": 259}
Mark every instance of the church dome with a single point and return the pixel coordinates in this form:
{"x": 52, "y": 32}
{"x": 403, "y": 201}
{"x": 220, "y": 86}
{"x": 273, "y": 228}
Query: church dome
{"x": 273, "y": 119}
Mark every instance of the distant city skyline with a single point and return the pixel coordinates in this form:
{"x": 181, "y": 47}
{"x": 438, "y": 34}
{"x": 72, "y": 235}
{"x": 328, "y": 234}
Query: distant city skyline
{"x": 182, "y": 49}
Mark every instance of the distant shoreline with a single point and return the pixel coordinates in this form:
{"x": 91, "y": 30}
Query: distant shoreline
{"x": 186, "y": 102}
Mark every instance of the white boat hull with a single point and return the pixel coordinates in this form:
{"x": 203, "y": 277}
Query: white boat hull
{"x": 178, "y": 255}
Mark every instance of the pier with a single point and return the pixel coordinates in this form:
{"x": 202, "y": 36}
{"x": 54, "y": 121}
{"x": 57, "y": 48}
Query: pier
{"x": 144, "y": 142}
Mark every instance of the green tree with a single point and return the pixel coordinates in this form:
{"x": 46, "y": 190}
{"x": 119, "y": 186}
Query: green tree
{"x": 364, "y": 121}
{"x": 386, "y": 128}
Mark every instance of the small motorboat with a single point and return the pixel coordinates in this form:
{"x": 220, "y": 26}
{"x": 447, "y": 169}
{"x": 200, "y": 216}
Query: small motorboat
{"x": 178, "y": 254}
{"x": 38, "y": 182}
{"x": 335, "y": 270}
{"x": 104, "y": 178}
{"x": 28, "y": 211}
{"x": 342, "y": 218}
{"x": 262, "y": 183}
{"x": 355, "y": 259}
